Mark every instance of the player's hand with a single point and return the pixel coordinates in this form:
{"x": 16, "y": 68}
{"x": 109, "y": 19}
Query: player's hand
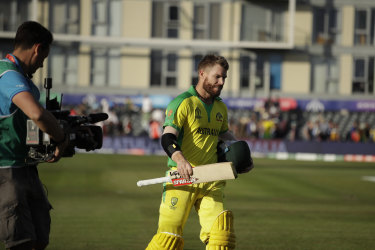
{"x": 185, "y": 170}
{"x": 183, "y": 166}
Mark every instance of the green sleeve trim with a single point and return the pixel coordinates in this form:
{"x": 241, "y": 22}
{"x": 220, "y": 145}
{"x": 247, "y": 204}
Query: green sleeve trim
{"x": 171, "y": 125}
{"x": 172, "y": 109}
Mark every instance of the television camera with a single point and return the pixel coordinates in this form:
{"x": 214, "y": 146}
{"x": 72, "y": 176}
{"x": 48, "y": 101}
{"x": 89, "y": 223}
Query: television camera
{"x": 81, "y": 131}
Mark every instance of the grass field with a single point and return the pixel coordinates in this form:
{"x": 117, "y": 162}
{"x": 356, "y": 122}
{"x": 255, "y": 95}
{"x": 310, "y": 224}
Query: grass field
{"x": 279, "y": 205}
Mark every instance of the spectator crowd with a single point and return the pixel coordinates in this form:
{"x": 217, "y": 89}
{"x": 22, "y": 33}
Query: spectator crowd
{"x": 267, "y": 122}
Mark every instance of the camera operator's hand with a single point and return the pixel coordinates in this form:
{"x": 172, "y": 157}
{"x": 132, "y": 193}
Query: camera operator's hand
{"x": 60, "y": 147}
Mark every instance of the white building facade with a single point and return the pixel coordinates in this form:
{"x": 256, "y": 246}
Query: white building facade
{"x": 286, "y": 48}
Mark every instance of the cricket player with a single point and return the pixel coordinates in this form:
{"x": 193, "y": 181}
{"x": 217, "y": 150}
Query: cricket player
{"x": 195, "y": 121}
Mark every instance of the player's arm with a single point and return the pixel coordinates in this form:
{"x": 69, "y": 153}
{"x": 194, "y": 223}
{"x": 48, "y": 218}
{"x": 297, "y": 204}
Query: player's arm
{"x": 227, "y": 135}
{"x": 171, "y": 147}
{"x": 42, "y": 118}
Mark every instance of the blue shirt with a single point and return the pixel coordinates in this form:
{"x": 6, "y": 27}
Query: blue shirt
{"x": 11, "y": 83}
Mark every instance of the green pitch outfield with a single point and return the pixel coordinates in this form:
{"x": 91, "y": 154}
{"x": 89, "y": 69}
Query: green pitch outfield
{"x": 278, "y": 205}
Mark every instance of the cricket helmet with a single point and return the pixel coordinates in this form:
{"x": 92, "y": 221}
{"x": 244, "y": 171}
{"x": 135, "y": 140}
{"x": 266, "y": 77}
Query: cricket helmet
{"x": 238, "y": 153}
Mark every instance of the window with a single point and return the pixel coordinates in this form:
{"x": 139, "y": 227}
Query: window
{"x": 165, "y": 19}
{"x": 275, "y": 71}
{"x": 262, "y": 22}
{"x": 13, "y": 13}
{"x": 326, "y": 23}
{"x": 260, "y": 71}
{"x": 245, "y": 72}
{"x": 106, "y": 17}
{"x": 64, "y": 16}
{"x": 171, "y": 77}
{"x": 105, "y": 67}
{"x": 325, "y": 75}
{"x": 364, "y": 27}
{"x": 363, "y": 75}
{"x": 63, "y": 64}
{"x": 163, "y": 68}
{"x": 206, "y": 21}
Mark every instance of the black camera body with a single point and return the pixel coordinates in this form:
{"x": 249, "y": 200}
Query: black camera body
{"x": 80, "y": 130}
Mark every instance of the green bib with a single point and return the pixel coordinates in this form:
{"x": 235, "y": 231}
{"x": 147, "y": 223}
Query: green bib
{"x": 13, "y": 149}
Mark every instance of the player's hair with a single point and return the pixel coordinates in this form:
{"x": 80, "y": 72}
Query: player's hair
{"x": 30, "y": 33}
{"x": 211, "y": 60}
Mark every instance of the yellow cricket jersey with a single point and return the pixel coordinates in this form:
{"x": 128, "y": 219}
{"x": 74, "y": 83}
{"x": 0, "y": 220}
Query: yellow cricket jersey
{"x": 199, "y": 126}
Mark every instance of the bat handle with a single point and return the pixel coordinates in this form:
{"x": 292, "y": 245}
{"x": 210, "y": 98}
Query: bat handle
{"x": 153, "y": 181}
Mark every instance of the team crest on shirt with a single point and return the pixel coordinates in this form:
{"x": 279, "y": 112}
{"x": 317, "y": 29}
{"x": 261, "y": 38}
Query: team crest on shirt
{"x": 198, "y": 113}
{"x": 174, "y": 201}
{"x": 170, "y": 112}
{"x": 219, "y": 117}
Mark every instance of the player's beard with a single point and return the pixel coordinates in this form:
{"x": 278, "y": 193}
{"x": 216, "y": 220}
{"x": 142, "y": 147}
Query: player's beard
{"x": 213, "y": 89}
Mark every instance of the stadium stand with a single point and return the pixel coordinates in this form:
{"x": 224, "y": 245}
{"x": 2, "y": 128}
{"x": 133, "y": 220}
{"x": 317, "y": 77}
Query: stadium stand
{"x": 293, "y": 125}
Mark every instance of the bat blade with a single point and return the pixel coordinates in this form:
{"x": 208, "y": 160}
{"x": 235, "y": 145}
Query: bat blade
{"x": 214, "y": 172}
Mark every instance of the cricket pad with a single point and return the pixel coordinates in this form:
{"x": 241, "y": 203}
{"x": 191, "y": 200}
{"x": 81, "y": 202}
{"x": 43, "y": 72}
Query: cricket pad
{"x": 166, "y": 241}
{"x": 222, "y": 235}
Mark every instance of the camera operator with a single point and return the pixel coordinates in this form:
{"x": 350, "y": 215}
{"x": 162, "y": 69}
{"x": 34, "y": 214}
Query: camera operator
{"x": 24, "y": 207}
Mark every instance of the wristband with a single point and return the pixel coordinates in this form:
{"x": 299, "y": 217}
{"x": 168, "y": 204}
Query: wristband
{"x": 169, "y": 143}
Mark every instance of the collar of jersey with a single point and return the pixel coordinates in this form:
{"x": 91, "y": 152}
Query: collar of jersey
{"x": 16, "y": 63}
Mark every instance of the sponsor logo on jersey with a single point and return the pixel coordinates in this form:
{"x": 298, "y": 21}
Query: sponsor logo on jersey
{"x": 170, "y": 112}
{"x": 198, "y": 113}
{"x": 208, "y": 131}
{"x": 219, "y": 117}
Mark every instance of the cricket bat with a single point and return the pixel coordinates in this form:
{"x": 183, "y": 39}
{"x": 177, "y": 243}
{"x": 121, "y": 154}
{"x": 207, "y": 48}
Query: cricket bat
{"x": 203, "y": 173}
